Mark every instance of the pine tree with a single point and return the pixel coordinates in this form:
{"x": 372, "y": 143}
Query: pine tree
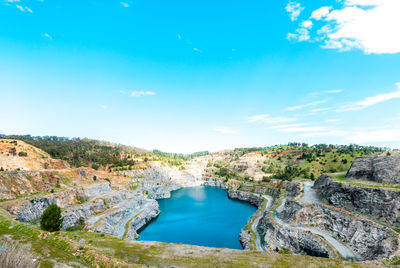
{"x": 51, "y": 218}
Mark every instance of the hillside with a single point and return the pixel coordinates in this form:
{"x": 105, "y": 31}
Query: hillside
{"x": 18, "y": 155}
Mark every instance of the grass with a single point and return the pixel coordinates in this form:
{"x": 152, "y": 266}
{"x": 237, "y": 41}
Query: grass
{"x": 368, "y": 184}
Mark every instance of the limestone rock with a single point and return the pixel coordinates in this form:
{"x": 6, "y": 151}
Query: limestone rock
{"x": 376, "y": 168}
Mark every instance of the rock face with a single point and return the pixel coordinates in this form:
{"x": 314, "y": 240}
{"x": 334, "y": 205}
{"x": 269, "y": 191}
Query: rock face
{"x": 368, "y": 240}
{"x": 33, "y": 209}
{"x": 246, "y": 196}
{"x": 379, "y": 203}
{"x": 376, "y": 168}
{"x": 277, "y": 237}
{"x": 245, "y": 238}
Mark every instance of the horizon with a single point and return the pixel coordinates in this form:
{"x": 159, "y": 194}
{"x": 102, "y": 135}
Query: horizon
{"x": 188, "y": 77}
{"x": 300, "y": 144}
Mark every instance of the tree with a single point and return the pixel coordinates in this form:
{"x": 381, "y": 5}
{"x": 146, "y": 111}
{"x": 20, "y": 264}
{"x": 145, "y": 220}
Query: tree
{"x": 51, "y": 218}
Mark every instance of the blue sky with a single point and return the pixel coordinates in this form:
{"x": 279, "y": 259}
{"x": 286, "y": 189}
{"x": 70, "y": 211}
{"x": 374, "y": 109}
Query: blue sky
{"x": 185, "y": 76}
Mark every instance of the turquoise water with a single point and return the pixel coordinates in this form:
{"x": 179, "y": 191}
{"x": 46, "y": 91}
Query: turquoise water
{"x": 202, "y": 216}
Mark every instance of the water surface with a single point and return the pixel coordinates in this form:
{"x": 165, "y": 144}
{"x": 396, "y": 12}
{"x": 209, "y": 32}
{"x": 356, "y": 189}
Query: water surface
{"x": 203, "y": 216}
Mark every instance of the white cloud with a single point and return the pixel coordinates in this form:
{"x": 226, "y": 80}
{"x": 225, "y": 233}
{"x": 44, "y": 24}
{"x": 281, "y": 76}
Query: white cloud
{"x": 333, "y": 91}
{"x": 320, "y": 13}
{"x": 332, "y": 120}
{"x": 368, "y": 25}
{"x": 307, "y": 24}
{"x": 288, "y": 126}
{"x": 298, "y": 107}
{"x": 47, "y": 36}
{"x": 197, "y": 50}
{"x": 20, "y": 8}
{"x": 141, "y": 93}
{"x": 302, "y": 34}
{"x": 124, "y": 4}
{"x": 294, "y": 9}
{"x": 369, "y": 101}
{"x": 386, "y": 135}
{"x": 266, "y": 118}
{"x": 23, "y": 9}
{"x": 321, "y": 109}
{"x": 225, "y": 130}
{"x": 104, "y": 107}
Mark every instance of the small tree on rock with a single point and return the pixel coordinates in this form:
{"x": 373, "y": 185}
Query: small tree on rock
{"x": 51, "y": 219}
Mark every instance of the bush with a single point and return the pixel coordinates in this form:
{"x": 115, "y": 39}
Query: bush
{"x": 23, "y": 154}
{"x": 95, "y": 166}
{"x": 51, "y": 218}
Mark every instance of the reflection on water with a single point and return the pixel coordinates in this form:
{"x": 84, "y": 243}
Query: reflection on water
{"x": 202, "y": 216}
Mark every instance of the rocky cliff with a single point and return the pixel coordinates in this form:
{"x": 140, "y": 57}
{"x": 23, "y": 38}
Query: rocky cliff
{"x": 366, "y": 239}
{"x": 253, "y": 199}
{"x": 377, "y": 202}
{"x": 278, "y": 237}
{"x": 376, "y": 168}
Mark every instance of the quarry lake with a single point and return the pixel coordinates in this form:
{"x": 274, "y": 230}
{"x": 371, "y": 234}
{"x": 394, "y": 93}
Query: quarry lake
{"x": 202, "y": 216}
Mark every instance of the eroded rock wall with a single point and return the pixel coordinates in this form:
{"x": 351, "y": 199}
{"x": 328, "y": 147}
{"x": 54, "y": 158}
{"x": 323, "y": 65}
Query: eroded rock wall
{"x": 376, "y": 168}
{"x": 369, "y": 241}
{"x": 377, "y": 202}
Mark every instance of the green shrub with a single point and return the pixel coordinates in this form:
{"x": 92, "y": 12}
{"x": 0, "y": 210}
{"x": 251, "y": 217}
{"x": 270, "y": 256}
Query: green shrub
{"x": 23, "y": 154}
{"x": 51, "y": 218}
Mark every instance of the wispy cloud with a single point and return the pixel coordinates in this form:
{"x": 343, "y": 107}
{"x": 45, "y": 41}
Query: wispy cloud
{"x": 332, "y": 120}
{"x": 24, "y": 9}
{"x": 141, "y": 93}
{"x": 294, "y": 9}
{"x": 225, "y": 130}
{"x": 47, "y": 36}
{"x": 298, "y": 107}
{"x": 266, "y": 118}
{"x": 104, "y": 107}
{"x": 189, "y": 43}
{"x": 288, "y": 126}
{"x": 369, "y": 101}
{"x": 124, "y": 4}
{"x": 321, "y": 109}
{"x": 329, "y": 133}
{"x": 333, "y": 91}
{"x": 324, "y": 92}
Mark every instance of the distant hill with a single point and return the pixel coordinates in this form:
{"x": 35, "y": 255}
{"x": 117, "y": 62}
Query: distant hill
{"x": 82, "y": 152}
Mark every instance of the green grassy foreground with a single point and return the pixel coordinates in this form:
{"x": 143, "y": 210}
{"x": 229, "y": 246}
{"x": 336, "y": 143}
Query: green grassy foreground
{"x": 99, "y": 250}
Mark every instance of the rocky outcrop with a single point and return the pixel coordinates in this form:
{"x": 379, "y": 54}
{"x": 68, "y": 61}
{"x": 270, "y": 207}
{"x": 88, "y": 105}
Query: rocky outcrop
{"x": 208, "y": 181}
{"x": 369, "y": 241}
{"x": 246, "y": 196}
{"x": 293, "y": 189}
{"x": 245, "y": 237}
{"x": 301, "y": 242}
{"x": 377, "y": 202}
{"x": 32, "y": 209}
{"x": 274, "y": 192}
{"x": 376, "y": 168}
{"x": 94, "y": 190}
